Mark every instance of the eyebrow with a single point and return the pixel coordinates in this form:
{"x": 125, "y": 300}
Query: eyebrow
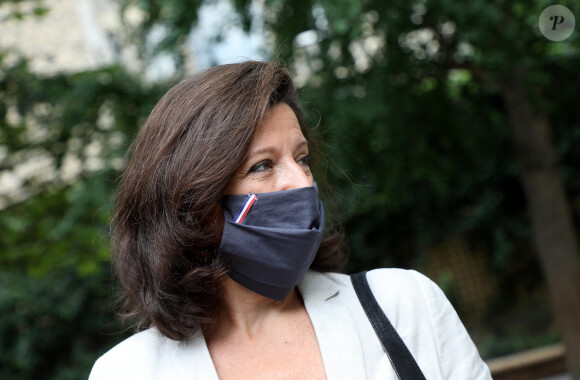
{"x": 271, "y": 149}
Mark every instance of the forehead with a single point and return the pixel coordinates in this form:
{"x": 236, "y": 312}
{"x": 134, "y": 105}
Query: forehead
{"x": 280, "y": 123}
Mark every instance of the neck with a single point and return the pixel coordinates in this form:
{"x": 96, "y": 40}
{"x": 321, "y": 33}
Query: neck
{"x": 246, "y": 312}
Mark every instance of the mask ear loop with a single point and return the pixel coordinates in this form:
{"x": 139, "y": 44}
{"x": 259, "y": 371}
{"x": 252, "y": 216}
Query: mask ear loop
{"x": 250, "y": 200}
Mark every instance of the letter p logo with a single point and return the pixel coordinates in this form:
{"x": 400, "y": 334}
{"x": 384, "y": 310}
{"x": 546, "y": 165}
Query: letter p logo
{"x": 557, "y": 20}
{"x": 556, "y": 23}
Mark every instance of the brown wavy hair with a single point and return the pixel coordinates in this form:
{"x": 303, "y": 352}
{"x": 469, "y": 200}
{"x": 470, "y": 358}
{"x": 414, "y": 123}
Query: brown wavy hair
{"x": 166, "y": 229}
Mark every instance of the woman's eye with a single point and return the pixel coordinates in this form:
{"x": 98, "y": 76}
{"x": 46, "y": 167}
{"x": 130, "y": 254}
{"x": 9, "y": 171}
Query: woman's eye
{"x": 261, "y": 166}
{"x": 306, "y": 160}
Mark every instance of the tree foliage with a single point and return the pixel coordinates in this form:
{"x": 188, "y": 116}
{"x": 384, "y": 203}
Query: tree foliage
{"x": 56, "y": 289}
{"x": 408, "y": 97}
{"x": 419, "y": 99}
{"x": 415, "y": 99}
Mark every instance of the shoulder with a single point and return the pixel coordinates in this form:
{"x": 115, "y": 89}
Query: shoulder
{"x": 410, "y": 298}
{"x": 402, "y": 294}
{"x": 424, "y": 319}
{"x": 381, "y": 280}
{"x": 404, "y": 285}
{"x": 129, "y": 358}
{"x": 427, "y": 323}
{"x": 147, "y": 355}
{"x": 395, "y": 277}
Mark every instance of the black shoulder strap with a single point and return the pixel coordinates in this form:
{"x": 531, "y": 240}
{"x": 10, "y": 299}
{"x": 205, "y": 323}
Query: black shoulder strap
{"x": 403, "y": 362}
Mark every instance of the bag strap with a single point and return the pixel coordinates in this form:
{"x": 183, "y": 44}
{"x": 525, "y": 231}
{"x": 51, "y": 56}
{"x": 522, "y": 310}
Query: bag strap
{"x": 405, "y": 366}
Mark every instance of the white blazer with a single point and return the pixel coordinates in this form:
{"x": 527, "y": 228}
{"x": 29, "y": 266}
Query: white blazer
{"x": 350, "y": 349}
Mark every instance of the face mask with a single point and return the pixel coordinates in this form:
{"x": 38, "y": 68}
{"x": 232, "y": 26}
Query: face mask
{"x": 270, "y": 239}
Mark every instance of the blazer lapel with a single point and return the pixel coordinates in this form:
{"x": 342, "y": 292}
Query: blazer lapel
{"x": 192, "y": 360}
{"x": 334, "y": 325}
{"x": 338, "y": 339}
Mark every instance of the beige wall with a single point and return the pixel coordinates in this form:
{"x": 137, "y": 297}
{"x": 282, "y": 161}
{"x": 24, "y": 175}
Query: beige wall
{"x": 74, "y": 35}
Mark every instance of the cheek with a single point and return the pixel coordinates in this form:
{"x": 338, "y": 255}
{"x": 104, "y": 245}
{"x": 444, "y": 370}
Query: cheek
{"x": 257, "y": 186}
{"x": 234, "y": 187}
{"x": 264, "y": 182}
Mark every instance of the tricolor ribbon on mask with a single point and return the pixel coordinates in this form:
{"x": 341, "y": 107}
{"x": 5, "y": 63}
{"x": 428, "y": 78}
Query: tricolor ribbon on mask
{"x": 245, "y": 208}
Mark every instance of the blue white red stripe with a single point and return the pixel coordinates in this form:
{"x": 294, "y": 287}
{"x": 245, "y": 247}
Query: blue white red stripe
{"x": 245, "y": 208}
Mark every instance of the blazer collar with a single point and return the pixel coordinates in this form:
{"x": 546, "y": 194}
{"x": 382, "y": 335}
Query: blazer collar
{"x": 326, "y": 300}
{"x": 319, "y": 286}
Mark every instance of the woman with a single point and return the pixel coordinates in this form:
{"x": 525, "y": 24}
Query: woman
{"x": 217, "y": 242}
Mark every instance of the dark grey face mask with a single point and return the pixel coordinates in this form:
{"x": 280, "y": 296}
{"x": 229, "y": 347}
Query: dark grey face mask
{"x": 269, "y": 243}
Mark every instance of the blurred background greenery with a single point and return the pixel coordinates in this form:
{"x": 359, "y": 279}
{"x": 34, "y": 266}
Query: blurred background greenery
{"x": 450, "y": 130}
